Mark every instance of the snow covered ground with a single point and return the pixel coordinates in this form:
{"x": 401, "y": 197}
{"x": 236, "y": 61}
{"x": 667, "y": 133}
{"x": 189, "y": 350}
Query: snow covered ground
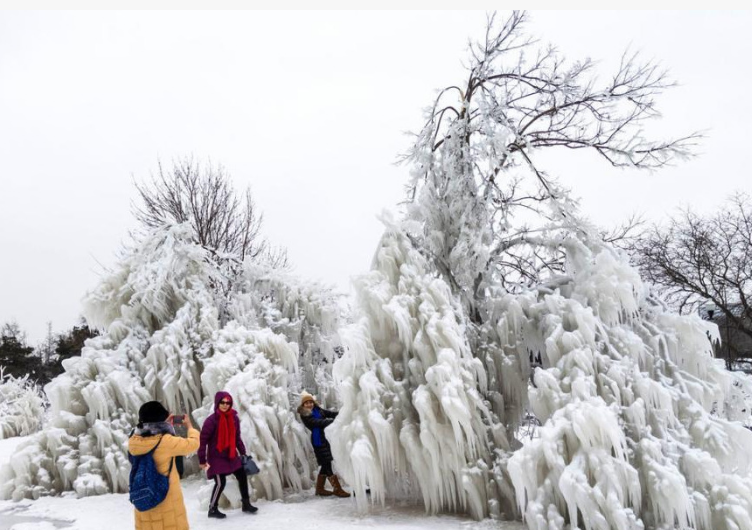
{"x": 295, "y": 512}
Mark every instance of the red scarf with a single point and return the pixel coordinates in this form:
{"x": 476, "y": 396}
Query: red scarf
{"x": 226, "y": 435}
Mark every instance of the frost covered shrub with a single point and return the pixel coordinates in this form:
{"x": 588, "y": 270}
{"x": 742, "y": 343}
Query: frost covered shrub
{"x": 156, "y": 311}
{"x": 159, "y": 308}
{"x": 22, "y": 406}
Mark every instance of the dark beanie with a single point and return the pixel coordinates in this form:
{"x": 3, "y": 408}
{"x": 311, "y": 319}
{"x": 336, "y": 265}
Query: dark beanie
{"x": 152, "y": 412}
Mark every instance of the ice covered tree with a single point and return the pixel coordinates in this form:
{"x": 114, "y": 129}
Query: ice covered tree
{"x": 46, "y": 349}
{"x": 480, "y": 192}
{"x": 415, "y": 420}
{"x": 162, "y": 338}
{"x": 225, "y": 222}
{"x": 493, "y": 297}
{"x": 197, "y": 302}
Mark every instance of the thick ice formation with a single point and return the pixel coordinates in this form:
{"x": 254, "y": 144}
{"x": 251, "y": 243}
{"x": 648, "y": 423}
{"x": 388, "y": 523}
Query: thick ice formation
{"x": 414, "y": 421}
{"x": 634, "y": 409}
{"x": 304, "y": 312}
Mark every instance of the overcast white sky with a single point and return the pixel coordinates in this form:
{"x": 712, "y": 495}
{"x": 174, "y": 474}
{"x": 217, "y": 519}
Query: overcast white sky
{"x": 309, "y": 109}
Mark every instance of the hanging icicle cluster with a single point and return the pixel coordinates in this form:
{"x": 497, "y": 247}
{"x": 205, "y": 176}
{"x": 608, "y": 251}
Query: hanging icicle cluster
{"x": 413, "y": 420}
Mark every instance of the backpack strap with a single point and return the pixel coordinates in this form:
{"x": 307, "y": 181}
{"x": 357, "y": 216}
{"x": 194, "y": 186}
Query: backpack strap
{"x": 155, "y": 447}
{"x": 172, "y": 460}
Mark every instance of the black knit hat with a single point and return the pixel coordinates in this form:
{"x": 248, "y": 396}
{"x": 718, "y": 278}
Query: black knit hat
{"x": 152, "y": 412}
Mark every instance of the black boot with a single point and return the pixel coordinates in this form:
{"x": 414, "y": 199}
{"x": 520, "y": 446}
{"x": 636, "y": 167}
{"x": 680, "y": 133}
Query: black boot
{"x": 248, "y": 507}
{"x": 215, "y": 513}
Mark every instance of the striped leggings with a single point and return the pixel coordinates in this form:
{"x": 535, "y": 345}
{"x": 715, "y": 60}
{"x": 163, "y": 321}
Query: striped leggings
{"x": 221, "y": 480}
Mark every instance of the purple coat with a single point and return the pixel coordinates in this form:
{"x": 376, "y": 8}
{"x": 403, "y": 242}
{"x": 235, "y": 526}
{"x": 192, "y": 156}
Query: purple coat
{"x": 220, "y": 463}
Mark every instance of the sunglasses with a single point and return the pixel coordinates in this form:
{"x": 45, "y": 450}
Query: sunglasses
{"x": 225, "y": 402}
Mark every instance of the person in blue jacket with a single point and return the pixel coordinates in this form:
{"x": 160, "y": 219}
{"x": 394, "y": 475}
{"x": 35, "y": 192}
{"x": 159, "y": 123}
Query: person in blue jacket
{"x": 317, "y": 419}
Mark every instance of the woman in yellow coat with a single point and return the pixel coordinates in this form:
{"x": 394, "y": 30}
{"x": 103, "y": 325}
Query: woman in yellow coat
{"x": 155, "y": 426}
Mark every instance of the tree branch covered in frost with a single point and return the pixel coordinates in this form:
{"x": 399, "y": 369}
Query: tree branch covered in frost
{"x": 471, "y": 191}
{"x": 22, "y": 406}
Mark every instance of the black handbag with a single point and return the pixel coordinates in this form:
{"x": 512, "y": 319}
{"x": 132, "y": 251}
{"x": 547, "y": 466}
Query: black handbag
{"x": 249, "y": 465}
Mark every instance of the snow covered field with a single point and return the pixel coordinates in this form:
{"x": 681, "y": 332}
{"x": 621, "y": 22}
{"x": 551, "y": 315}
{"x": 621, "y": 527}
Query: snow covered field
{"x": 295, "y": 512}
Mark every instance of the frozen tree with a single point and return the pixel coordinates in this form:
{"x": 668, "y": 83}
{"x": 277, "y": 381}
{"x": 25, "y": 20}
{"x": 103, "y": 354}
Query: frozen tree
{"x": 22, "y": 406}
{"x": 46, "y": 349}
{"x": 493, "y": 298}
{"x": 163, "y": 339}
{"x": 639, "y": 421}
{"x": 479, "y": 194}
{"x": 226, "y": 223}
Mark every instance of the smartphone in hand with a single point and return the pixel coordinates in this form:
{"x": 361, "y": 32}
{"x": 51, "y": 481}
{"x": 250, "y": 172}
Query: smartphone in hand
{"x": 178, "y": 419}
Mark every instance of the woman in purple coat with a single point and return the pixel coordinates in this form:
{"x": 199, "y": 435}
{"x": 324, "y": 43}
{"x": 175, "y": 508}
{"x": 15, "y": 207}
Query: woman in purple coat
{"x": 220, "y": 451}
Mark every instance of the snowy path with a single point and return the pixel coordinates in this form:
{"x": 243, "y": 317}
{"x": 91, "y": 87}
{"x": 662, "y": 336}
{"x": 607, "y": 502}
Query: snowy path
{"x": 296, "y": 512}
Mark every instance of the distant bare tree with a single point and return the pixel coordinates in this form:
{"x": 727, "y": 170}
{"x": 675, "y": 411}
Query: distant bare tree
{"x": 225, "y": 221}
{"x": 11, "y": 330}
{"x": 697, "y": 259}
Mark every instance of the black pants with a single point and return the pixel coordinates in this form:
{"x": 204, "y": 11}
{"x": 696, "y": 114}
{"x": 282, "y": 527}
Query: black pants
{"x": 326, "y": 469}
{"x": 219, "y": 486}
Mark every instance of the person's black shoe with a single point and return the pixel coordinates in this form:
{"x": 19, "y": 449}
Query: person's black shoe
{"x": 248, "y": 507}
{"x": 216, "y": 514}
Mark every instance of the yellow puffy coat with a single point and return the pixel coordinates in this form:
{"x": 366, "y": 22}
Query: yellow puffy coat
{"x": 170, "y": 513}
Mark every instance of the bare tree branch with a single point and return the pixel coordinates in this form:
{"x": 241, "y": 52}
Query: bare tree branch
{"x": 696, "y": 259}
{"x": 224, "y": 221}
